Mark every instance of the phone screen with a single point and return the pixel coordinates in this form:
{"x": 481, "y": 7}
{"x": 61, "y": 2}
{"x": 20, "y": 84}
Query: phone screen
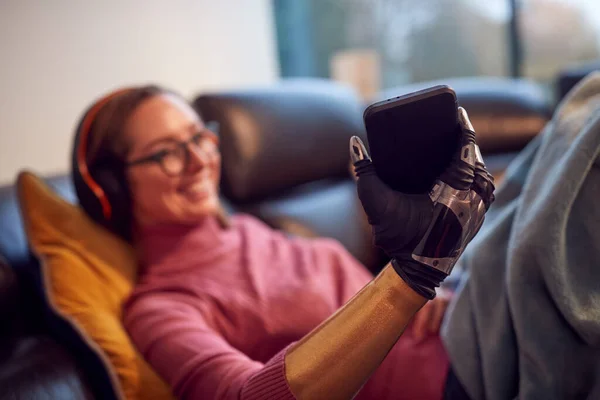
{"x": 412, "y": 138}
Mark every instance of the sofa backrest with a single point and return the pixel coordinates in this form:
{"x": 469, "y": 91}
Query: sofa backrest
{"x": 285, "y": 148}
{"x": 286, "y": 161}
{"x": 13, "y": 243}
{"x": 285, "y": 158}
{"x": 279, "y": 137}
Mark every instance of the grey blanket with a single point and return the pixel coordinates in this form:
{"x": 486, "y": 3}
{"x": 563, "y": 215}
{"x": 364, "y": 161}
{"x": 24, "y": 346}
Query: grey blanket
{"x": 526, "y": 320}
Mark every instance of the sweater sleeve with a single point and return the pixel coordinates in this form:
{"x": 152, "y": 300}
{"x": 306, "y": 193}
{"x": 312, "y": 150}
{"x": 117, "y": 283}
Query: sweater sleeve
{"x": 196, "y": 361}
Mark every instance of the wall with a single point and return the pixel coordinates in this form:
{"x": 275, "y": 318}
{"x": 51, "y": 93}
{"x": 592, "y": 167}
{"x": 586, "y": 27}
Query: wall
{"x": 58, "y": 55}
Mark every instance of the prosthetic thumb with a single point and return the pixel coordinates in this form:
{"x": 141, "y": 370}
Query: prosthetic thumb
{"x": 372, "y": 192}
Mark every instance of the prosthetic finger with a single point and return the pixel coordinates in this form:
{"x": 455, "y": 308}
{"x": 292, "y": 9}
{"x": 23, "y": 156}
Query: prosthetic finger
{"x": 358, "y": 151}
{"x": 483, "y": 182}
{"x": 461, "y": 171}
{"x": 371, "y": 190}
{"x": 461, "y": 198}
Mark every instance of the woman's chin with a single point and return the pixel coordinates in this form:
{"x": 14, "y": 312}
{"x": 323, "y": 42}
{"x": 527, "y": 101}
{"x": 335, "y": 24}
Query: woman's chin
{"x": 197, "y": 211}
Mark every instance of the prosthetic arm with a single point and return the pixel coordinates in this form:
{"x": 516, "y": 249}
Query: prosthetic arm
{"x": 424, "y": 235}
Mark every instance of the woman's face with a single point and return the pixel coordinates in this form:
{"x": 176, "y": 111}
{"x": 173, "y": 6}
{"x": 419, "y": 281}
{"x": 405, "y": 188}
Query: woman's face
{"x": 183, "y": 186}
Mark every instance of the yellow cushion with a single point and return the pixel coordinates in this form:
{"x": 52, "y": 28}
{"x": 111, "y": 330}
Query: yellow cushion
{"x": 88, "y": 273}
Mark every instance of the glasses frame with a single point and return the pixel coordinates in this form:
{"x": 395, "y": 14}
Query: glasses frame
{"x": 158, "y": 157}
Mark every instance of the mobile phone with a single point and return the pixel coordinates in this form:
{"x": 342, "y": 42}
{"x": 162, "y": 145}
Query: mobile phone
{"x": 412, "y": 138}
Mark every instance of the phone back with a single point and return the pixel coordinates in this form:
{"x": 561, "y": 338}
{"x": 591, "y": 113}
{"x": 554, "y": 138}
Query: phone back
{"x": 412, "y": 138}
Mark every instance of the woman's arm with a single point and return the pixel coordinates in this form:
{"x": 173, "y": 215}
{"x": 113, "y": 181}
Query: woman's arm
{"x": 195, "y": 360}
{"x": 337, "y": 358}
{"x": 331, "y": 362}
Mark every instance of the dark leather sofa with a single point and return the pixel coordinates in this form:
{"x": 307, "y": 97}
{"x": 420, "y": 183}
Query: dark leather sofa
{"x": 285, "y": 160}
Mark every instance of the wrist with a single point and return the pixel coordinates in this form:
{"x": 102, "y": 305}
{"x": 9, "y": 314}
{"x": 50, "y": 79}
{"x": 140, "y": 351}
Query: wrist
{"x": 405, "y": 298}
{"x": 422, "y": 279}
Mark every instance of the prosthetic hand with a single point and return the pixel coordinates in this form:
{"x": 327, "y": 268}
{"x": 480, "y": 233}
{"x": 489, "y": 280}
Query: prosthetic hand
{"x": 425, "y": 234}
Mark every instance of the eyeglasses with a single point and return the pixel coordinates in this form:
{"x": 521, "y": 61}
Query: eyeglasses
{"x": 175, "y": 159}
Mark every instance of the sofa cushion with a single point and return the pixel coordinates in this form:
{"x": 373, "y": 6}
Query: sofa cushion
{"x": 275, "y": 138}
{"x": 87, "y": 274}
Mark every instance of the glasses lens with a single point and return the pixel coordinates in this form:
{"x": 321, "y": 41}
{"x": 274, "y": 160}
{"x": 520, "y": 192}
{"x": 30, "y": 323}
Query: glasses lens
{"x": 174, "y": 161}
{"x": 204, "y": 143}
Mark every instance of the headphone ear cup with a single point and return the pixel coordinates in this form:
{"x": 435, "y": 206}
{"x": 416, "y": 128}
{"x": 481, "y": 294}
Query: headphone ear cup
{"x": 101, "y": 188}
{"x": 110, "y": 176}
{"x": 87, "y": 198}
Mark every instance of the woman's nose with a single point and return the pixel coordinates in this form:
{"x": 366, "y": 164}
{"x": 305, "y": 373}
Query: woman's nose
{"x": 198, "y": 159}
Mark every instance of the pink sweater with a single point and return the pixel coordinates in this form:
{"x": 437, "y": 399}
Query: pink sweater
{"x": 215, "y": 311}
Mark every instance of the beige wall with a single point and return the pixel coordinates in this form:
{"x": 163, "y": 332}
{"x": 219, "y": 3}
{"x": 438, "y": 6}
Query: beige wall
{"x": 57, "y": 55}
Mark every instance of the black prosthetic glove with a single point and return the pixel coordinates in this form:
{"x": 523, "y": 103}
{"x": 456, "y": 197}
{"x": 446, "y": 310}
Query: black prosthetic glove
{"x": 425, "y": 234}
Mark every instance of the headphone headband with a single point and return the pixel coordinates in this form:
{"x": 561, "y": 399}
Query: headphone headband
{"x": 83, "y": 134}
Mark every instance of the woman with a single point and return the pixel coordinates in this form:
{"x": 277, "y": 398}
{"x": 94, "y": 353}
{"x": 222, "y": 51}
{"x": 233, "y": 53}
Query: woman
{"x": 227, "y": 308}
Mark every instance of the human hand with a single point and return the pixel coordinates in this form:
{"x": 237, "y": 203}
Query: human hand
{"x": 426, "y": 233}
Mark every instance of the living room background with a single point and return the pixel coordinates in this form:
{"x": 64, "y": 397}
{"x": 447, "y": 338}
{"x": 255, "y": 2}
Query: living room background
{"x": 377, "y": 44}
{"x": 58, "y": 55}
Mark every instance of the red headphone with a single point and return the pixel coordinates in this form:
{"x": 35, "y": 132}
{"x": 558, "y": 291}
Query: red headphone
{"x": 81, "y": 152}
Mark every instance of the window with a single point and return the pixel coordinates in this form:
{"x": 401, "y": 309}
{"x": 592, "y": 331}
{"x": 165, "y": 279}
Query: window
{"x": 378, "y": 44}
{"x": 555, "y": 34}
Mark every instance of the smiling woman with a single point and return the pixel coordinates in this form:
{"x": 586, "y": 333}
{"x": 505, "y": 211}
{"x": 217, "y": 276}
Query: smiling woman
{"x": 228, "y": 308}
{"x": 150, "y": 138}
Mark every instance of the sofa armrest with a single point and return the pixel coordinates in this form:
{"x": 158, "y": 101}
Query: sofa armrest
{"x": 35, "y": 367}
{"x": 32, "y": 366}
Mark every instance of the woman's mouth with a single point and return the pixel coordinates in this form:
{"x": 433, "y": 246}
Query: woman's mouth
{"x": 198, "y": 190}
